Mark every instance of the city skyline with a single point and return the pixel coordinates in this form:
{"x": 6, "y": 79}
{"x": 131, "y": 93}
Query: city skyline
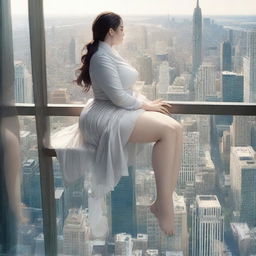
{"x": 171, "y": 7}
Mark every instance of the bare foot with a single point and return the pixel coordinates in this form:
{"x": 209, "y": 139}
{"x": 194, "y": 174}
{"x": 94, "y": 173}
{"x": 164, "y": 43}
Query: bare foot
{"x": 165, "y": 215}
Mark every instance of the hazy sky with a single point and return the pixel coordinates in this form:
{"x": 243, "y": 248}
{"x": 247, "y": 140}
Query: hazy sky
{"x": 172, "y": 7}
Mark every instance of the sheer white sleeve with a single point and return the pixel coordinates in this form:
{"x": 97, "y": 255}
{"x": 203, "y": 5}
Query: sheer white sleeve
{"x": 104, "y": 73}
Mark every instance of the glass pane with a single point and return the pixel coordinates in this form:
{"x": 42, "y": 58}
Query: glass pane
{"x": 21, "y": 220}
{"x": 30, "y": 234}
{"x": 21, "y": 50}
{"x": 214, "y": 200}
{"x": 175, "y": 55}
{"x": 64, "y": 42}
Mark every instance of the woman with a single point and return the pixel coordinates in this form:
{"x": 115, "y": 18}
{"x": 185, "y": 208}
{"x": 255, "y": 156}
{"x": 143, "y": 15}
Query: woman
{"x": 116, "y": 118}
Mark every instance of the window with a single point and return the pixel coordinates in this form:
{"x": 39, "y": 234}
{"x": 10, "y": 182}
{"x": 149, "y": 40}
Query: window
{"x": 213, "y": 96}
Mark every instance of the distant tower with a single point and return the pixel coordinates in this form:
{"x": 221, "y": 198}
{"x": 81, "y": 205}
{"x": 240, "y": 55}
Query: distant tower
{"x": 197, "y": 38}
{"x": 23, "y": 83}
{"x": 164, "y": 77}
{"x": 226, "y": 56}
{"x": 145, "y": 69}
{"x": 250, "y": 69}
{"x": 205, "y": 82}
{"x": 72, "y": 51}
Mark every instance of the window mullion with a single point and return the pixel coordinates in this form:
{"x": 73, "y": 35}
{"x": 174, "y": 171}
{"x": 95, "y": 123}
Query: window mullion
{"x": 38, "y": 61}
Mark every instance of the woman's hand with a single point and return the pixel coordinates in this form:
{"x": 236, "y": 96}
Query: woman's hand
{"x": 157, "y": 105}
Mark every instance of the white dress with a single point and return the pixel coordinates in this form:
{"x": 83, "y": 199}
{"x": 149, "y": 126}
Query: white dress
{"x": 97, "y": 147}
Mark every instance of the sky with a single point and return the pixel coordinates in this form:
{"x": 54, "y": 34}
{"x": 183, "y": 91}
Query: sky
{"x": 123, "y": 7}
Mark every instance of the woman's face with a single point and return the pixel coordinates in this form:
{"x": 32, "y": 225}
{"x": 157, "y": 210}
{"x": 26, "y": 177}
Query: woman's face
{"x": 118, "y": 34}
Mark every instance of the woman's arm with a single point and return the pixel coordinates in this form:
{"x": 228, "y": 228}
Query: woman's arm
{"x": 104, "y": 73}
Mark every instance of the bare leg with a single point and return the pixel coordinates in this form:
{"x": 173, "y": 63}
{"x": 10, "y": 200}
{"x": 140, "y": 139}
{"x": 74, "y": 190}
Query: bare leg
{"x": 166, "y": 157}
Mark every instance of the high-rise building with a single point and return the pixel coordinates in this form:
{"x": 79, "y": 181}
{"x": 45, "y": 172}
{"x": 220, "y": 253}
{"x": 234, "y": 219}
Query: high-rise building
{"x": 123, "y": 205}
{"x": 197, "y": 38}
{"x": 142, "y": 206}
{"x": 205, "y": 86}
{"x": 23, "y": 83}
{"x": 179, "y": 90}
{"x": 232, "y": 87}
{"x": 240, "y": 131}
{"x": 172, "y": 74}
{"x": 250, "y": 68}
{"x": 163, "y": 78}
{"x": 225, "y": 148}
{"x": 226, "y": 56}
{"x": 177, "y": 93}
{"x": 207, "y": 226}
{"x": 232, "y": 91}
{"x": 179, "y": 242}
{"x": 242, "y": 178}
{"x": 123, "y": 244}
{"x": 206, "y": 177}
{"x": 158, "y": 240}
{"x": 203, "y": 124}
{"x": 76, "y": 233}
{"x": 190, "y": 159}
{"x": 31, "y": 183}
{"x": 231, "y": 36}
{"x": 240, "y": 45}
{"x": 145, "y": 69}
{"x": 72, "y": 51}
{"x": 144, "y": 34}
{"x": 141, "y": 242}
{"x": 60, "y": 208}
{"x": 161, "y": 50}
{"x": 244, "y": 237}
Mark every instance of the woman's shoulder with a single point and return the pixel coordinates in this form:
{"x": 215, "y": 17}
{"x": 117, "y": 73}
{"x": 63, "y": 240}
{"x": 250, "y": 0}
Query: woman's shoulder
{"x": 101, "y": 56}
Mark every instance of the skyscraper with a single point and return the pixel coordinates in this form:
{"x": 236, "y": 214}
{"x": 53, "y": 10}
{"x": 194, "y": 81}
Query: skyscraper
{"x": 207, "y": 226}
{"x": 123, "y": 244}
{"x": 76, "y": 233}
{"x": 123, "y": 205}
{"x": 240, "y": 131}
{"x": 250, "y": 68}
{"x": 158, "y": 240}
{"x": 242, "y": 178}
{"x": 232, "y": 87}
{"x": 145, "y": 69}
{"x": 226, "y": 56}
{"x": 205, "y": 86}
{"x": 197, "y": 38}
{"x": 163, "y": 78}
{"x": 23, "y": 83}
{"x": 190, "y": 159}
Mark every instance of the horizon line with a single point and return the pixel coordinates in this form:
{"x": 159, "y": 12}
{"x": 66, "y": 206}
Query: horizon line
{"x": 153, "y": 14}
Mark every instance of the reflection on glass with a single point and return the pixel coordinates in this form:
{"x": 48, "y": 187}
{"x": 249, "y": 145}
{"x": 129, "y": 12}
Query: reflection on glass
{"x": 30, "y": 230}
{"x": 22, "y": 58}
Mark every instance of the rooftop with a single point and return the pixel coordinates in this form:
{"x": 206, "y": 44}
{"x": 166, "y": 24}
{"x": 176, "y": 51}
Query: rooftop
{"x": 207, "y": 201}
{"x": 241, "y": 230}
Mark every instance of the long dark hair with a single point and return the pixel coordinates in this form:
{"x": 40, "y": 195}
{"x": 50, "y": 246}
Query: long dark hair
{"x": 100, "y": 27}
